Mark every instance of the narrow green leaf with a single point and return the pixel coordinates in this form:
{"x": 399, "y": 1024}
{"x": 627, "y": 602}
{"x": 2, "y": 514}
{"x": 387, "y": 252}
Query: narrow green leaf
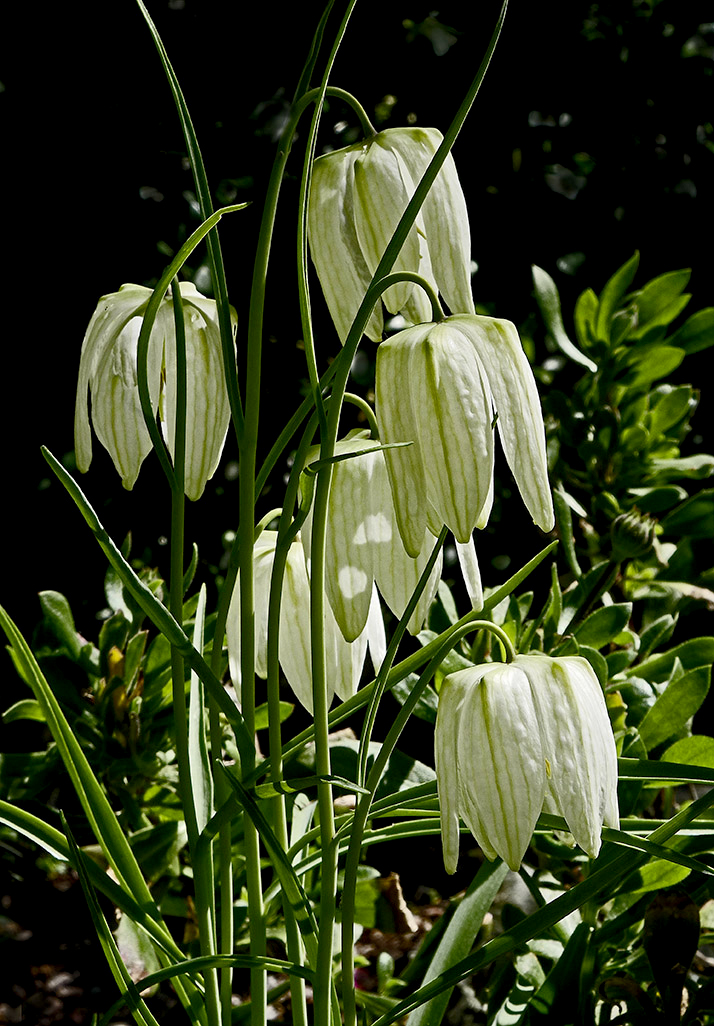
{"x": 459, "y": 936}
{"x": 126, "y": 985}
{"x": 153, "y": 608}
{"x": 608, "y": 871}
{"x": 55, "y": 843}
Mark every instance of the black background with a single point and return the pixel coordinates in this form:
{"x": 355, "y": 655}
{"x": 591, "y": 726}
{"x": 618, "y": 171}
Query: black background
{"x": 95, "y": 176}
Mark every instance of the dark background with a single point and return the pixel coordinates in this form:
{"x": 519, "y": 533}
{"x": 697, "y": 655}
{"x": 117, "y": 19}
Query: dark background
{"x": 592, "y": 137}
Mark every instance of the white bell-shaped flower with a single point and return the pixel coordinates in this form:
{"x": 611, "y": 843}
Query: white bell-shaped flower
{"x": 514, "y": 737}
{"x": 344, "y": 660}
{"x": 447, "y": 388}
{"x": 107, "y": 370}
{"x": 363, "y": 542}
{"x": 358, "y": 194}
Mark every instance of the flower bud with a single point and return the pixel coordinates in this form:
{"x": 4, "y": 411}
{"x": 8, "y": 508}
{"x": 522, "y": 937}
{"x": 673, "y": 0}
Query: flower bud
{"x": 632, "y": 535}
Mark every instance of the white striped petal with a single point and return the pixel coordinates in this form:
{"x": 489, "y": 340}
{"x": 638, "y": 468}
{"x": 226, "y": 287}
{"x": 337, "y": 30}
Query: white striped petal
{"x": 578, "y": 743}
{"x": 520, "y": 419}
{"x": 398, "y": 423}
{"x": 334, "y": 246}
{"x": 444, "y": 213}
{"x": 451, "y": 403}
{"x": 501, "y": 757}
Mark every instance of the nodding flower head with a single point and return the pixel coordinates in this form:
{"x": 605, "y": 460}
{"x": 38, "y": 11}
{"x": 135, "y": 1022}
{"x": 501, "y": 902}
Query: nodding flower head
{"x": 513, "y": 740}
{"x": 448, "y": 387}
{"x": 357, "y": 197}
{"x": 108, "y": 372}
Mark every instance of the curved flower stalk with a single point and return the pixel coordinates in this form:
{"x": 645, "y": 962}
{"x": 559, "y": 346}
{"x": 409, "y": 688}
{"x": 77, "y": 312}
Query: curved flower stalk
{"x": 443, "y": 387}
{"x": 107, "y": 370}
{"x": 357, "y": 197}
{"x": 513, "y": 739}
{"x": 363, "y": 542}
{"x": 345, "y": 660}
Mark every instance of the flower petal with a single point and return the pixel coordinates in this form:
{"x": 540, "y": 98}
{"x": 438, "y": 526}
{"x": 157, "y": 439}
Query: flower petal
{"x": 207, "y": 407}
{"x": 335, "y": 249}
{"x": 520, "y": 418}
{"x": 501, "y": 764}
{"x": 446, "y": 220}
{"x": 382, "y": 192}
{"x": 451, "y": 699}
{"x": 451, "y": 393}
{"x": 578, "y": 743}
{"x": 397, "y": 421}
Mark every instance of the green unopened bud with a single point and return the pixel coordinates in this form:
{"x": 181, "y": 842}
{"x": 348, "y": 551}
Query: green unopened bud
{"x": 632, "y": 535}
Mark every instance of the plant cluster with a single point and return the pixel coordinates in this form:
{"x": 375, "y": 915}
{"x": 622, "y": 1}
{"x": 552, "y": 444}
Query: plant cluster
{"x": 567, "y": 755}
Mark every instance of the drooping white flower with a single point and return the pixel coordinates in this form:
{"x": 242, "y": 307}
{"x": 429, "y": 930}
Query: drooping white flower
{"x": 107, "y": 370}
{"x": 447, "y": 388}
{"x": 514, "y": 737}
{"x": 363, "y": 542}
{"x": 344, "y": 660}
{"x": 357, "y": 197}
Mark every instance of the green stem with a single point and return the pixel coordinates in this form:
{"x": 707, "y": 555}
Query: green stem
{"x": 203, "y": 876}
{"x": 364, "y": 407}
{"x": 365, "y": 802}
{"x": 368, "y": 128}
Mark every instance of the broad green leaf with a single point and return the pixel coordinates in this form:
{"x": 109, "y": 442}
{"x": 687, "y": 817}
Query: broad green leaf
{"x": 602, "y": 626}
{"x": 696, "y": 333}
{"x": 459, "y": 936}
{"x": 668, "y": 405}
{"x": 656, "y": 500}
{"x": 675, "y": 706}
{"x": 98, "y": 811}
{"x": 701, "y": 465}
{"x": 654, "y": 877}
{"x": 648, "y": 363}
{"x": 658, "y": 295}
{"x": 611, "y": 295}
{"x": 582, "y": 594}
{"x": 25, "y": 709}
{"x": 693, "y": 653}
{"x": 694, "y": 518}
{"x": 697, "y": 750}
{"x": 549, "y": 302}
{"x": 585, "y": 317}
{"x": 58, "y": 617}
{"x": 261, "y": 714}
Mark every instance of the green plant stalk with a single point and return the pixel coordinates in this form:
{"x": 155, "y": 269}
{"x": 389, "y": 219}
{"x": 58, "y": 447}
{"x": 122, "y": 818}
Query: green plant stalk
{"x": 203, "y": 875}
{"x": 317, "y": 584}
{"x": 215, "y": 256}
{"x": 363, "y": 806}
{"x": 394, "y": 642}
{"x": 295, "y": 945}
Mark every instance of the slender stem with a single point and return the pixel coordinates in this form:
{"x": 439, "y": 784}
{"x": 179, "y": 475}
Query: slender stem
{"x": 203, "y": 879}
{"x": 364, "y": 407}
{"x": 341, "y": 94}
{"x": 363, "y": 806}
